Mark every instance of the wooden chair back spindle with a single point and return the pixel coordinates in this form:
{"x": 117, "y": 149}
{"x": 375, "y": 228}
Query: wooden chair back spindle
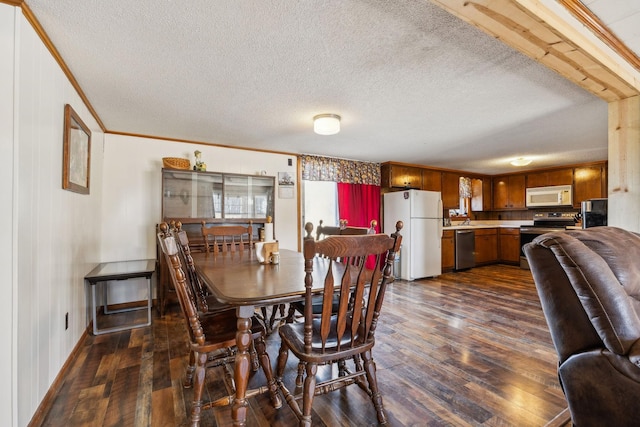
{"x": 227, "y": 238}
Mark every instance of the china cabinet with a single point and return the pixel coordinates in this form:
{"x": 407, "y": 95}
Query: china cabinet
{"x": 215, "y": 198}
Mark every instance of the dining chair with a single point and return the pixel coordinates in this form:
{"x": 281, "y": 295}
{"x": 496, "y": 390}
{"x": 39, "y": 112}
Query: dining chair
{"x": 347, "y": 334}
{"x": 205, "y": 302}
{"x": 298, "y": 306}
{"x": 349, "y": 230}
{"x": 323, "y": 231}
{"x": 212, "y": 338}
{"x": 223, "y": 238}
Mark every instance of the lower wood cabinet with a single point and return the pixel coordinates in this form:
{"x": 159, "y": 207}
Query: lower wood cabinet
{"x": 509, "y": 245}
{"x": 486, "y": 247}
{"x": 492, "y": 245}
{"x": 448, "y": 250}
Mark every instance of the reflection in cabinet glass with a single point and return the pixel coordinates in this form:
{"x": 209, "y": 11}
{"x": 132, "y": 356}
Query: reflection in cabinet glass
{"x": 247, "y": 196}
{"x": 210, "y": 195}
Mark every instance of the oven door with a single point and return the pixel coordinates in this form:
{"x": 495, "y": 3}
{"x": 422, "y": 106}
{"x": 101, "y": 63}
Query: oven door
{"x": 527, "y": 234}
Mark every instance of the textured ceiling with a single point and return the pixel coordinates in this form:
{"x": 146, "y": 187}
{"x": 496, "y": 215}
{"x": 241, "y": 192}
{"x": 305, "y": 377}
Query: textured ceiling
{"x": 412, "y": 83}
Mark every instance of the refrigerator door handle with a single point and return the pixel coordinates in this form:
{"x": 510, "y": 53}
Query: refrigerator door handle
{"x": 440, "y": 225}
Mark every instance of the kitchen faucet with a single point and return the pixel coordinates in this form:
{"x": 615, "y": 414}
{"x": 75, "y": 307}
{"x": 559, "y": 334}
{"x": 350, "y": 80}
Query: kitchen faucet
{"x": 466, "y": 222}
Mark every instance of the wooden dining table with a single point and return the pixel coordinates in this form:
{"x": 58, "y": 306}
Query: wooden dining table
{"x": 240, "y": 280}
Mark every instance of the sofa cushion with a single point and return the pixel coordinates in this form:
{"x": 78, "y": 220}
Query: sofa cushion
{"x": 607, "y": 282}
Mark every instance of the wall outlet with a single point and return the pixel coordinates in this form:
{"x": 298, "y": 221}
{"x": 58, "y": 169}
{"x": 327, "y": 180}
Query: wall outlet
{"x": 290, "y": 162}
{"x": 66, "y": 321}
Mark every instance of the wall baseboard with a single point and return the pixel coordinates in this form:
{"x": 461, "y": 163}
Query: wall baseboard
{"x": 47, "y": 401}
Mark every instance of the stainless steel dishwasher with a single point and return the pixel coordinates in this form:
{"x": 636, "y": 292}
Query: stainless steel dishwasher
{"x": 465, "y": 242}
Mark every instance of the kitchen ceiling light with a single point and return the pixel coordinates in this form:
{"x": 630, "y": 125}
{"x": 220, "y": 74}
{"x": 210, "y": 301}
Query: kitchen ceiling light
{"x": 326, "y": 124}
{"x": 520, "y": 161}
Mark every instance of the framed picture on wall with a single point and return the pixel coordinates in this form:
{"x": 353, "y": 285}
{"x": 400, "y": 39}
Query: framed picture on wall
{"x": 76, "y": 156}
{"x": 285, "y": 178}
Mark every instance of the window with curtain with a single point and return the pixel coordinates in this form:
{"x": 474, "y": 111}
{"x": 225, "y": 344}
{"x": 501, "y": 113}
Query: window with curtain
{"x": 354, "y": 185}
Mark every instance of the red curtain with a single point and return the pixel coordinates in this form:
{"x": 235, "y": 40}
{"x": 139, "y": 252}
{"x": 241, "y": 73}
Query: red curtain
{"x": 359, "y": 204}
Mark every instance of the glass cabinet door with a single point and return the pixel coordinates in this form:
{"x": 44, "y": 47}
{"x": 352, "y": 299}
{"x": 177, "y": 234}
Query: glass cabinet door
{"x": 248, "y": 196}
{"x": 262, "y": 194}
{"x": 206, "y": 195}
{"x": 191, "y": 195}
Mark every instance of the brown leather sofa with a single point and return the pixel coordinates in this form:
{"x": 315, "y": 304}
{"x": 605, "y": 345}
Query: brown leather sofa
{"x": 589, "y": 286}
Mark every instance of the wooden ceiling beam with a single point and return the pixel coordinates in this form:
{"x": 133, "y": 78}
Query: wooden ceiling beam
{"x": 534, "y": 30}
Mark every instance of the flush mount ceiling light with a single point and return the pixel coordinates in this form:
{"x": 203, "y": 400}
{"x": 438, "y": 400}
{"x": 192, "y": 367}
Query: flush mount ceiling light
{"x": 326, "y": 124}
{"x": 520, "y": 161}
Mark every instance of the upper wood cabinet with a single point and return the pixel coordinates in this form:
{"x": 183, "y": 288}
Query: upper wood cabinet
{"x": 552, "y": 177}
{"x": 504, "y": 192}
{"x": 509, "y": 192}
{"x": 450, "y": 193}
{"x": 481, "y": 194}
{"x": 590, "y": 182}
{"x": 401, "y": 176}
{"x": 431, "y": 180}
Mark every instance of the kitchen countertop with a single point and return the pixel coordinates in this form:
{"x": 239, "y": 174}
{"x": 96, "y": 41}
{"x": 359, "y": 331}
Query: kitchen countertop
{"x": 487, "y": 224}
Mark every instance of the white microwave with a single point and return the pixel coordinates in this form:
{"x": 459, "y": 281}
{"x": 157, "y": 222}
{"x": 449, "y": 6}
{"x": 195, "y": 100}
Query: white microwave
{"x": 558, "y": 195}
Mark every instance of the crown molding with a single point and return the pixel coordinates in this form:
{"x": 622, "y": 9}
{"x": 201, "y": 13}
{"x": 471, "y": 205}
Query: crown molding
{"x": 13, "y": 2}
{"x": 591, "y": 21}
{"x": 31, "y": 18}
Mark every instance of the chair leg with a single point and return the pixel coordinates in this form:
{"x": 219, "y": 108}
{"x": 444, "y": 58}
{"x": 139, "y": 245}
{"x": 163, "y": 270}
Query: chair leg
{"x": 342, "y": 368}
{"x": 376, "y": 397}
{"x": 198, "y": 388}
{"x": 188, "y": 378}
{"x": 265, "y": 362}
{"x": 308, "y": 394}
{"x": 283, "y": 355}
{"x": 254, "y": 357}
{"x": 300, "y": 376}
{"x": 290, "y": 314}
{"x": 272, "y": 319}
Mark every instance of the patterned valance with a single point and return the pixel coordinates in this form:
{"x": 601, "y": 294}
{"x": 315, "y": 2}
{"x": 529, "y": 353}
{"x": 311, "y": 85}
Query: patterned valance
{"x": 316, "y": 168}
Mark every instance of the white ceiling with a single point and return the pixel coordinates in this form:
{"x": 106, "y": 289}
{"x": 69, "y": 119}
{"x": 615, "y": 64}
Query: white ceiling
{"x": 412, "y": 83}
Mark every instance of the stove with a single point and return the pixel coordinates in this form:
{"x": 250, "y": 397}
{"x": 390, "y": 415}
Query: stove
{"x": 544, "y": 222}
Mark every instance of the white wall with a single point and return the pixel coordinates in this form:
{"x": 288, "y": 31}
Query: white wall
{"x": 55, "y": 233}
{"x": 7, "y": 260}
{"x": 132, "y": 195}
{"x": 54, "y": 237}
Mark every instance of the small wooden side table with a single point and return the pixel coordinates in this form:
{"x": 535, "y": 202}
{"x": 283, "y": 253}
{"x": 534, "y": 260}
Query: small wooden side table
{"x": 119, "y": 270}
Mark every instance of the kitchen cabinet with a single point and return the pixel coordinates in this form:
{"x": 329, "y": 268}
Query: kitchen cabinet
{"x": 509, "y": 192}
{"x": 590, "y": 182}
{"x": 448, "y": 250}
{"x": 481, "y": 195}
{"x": 486, "y": 245}
{"x": 431, "y": 180}
{"x": 400, "y": 176}
{"x": 509, "y": 245}
{"x": 550, "y": 178}
{"x": 450, "y": 190}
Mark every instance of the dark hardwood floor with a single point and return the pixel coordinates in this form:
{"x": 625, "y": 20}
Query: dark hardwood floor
{"x": 465, "y": 349}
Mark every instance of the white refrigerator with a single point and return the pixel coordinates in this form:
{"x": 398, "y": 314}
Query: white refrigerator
{"x": 421, "y": 213}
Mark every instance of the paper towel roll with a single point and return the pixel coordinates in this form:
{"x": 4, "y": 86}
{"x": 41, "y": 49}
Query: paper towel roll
{"x": 268, "y": 232}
